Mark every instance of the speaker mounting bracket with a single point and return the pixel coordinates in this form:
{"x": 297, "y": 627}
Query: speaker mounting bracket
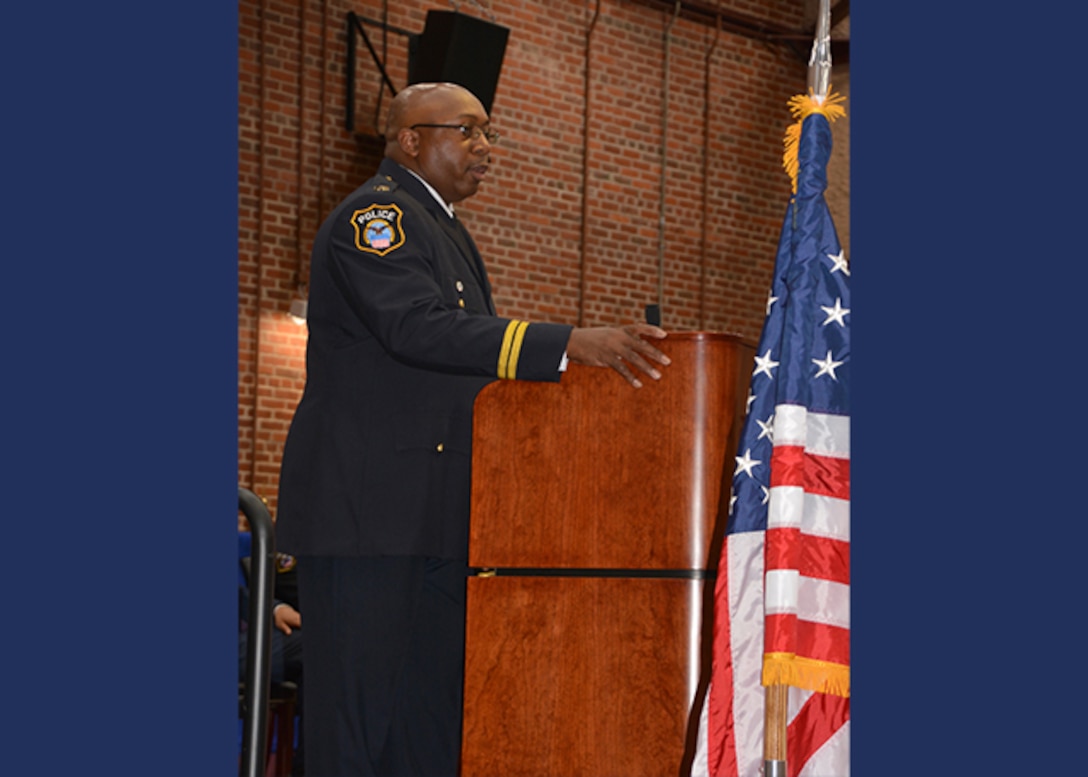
{"x": 355, "y": 25}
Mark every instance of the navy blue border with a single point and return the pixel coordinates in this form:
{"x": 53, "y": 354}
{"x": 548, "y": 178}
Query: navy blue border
{"x": 119, "y": 388}
{"x": 967, "y": 303}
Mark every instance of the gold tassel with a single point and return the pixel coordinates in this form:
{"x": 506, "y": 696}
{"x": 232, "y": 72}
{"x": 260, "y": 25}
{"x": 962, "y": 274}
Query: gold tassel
{"x": 807, "y": 673}
{"x": 801, "y": 107}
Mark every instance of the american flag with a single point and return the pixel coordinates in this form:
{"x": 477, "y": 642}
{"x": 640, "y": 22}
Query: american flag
{"x": 781, "y": 601}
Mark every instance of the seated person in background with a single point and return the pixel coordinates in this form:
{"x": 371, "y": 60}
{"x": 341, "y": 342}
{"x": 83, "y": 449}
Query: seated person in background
{"x": 286, "y": 643}
{"x": 286, "y": 649}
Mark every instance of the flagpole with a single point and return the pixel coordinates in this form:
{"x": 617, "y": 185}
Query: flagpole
{"x": 819, "y": 61}
{"x": 776, "y": 697}
{"x": 774, "y": 730}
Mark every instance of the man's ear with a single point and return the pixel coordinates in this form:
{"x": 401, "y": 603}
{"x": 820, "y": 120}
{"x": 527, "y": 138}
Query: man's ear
{"x": 408, "y": 140}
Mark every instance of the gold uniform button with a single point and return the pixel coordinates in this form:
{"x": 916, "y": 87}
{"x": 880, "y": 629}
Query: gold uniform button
{"x": 440, "y": 447}
{"x": 461, "y": 302}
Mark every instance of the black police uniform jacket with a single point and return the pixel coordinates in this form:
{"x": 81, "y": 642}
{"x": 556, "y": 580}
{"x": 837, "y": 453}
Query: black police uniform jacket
{"x": 402, "y": 336}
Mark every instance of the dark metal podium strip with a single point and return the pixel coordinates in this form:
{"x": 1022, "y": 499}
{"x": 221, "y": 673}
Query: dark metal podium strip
{"x": 670, "y": 574}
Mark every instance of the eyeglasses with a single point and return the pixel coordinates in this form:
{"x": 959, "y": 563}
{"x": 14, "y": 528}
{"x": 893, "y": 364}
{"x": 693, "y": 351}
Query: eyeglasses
{"x": 468, "y": 131}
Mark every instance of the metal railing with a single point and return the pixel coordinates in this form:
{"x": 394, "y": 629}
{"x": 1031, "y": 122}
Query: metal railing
{"x": 259, "y": 642}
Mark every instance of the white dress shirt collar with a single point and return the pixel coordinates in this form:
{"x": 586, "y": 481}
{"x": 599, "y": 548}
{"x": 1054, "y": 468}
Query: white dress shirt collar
{"x": 438, "y": 197}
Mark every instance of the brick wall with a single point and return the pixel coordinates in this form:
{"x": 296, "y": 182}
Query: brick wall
{"x": 581, "y": 215}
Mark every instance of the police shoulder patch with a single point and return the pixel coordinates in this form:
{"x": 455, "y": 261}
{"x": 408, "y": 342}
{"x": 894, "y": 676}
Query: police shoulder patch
{"x": 378, "y": 229}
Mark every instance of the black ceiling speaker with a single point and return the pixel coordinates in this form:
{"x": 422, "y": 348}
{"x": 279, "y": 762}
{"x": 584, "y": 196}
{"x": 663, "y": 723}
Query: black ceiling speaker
{"x": 460, "y": 49}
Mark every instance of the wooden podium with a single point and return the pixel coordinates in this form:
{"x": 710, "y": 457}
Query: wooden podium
{"x": 595, "y": 507}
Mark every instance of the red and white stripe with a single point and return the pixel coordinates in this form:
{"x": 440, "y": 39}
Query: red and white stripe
{"x": 790, "y": 588}
{"x": 807, "y": 582}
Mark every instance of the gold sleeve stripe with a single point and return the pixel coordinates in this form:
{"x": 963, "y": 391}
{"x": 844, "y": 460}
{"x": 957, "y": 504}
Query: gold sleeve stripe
{"x": 511, "y": 348}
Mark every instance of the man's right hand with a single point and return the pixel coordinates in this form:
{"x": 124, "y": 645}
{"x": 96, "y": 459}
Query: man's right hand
{"x": 620, "y": 348}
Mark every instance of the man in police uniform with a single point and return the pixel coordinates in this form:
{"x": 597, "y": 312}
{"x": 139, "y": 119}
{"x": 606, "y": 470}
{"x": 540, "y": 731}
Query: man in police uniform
{"x": 374, "y": 490}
